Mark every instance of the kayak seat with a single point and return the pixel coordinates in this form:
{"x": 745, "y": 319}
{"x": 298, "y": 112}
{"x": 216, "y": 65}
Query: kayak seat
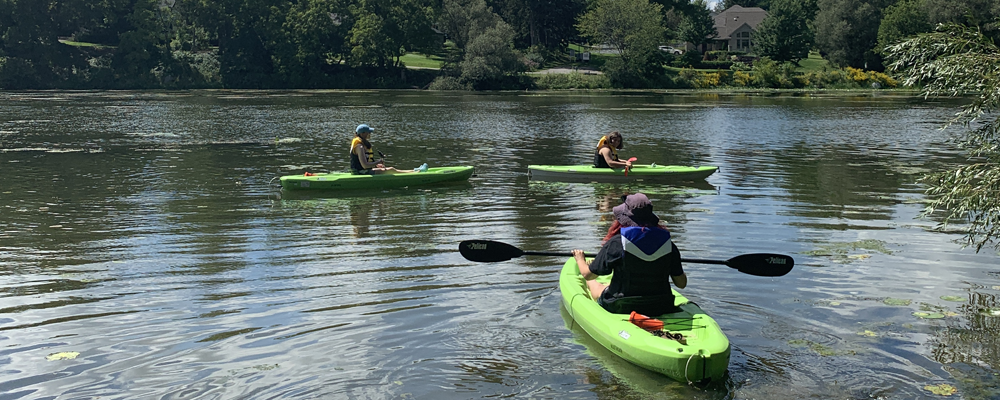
{"x": 646, "y": 305}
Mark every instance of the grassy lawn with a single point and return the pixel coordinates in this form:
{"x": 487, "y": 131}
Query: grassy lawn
{"x": 417, "y": 60}
{"x": 431, "y": 60}
{"x": 814, "y": 63}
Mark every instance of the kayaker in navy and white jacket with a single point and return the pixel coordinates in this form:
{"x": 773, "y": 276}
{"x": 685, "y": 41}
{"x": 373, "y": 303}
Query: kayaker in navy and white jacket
{"x": 643, "y": 258}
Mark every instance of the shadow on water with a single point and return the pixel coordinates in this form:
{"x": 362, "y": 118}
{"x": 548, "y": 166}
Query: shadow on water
{"x": 671, "y": 187}
{"x": 438, "y": 189}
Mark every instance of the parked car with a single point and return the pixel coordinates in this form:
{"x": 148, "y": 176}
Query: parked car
{"x": 671, "y": 50}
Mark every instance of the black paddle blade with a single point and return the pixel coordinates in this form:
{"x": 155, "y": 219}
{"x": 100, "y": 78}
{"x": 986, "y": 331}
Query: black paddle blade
{"x": 488, "y": 251}
{"x": 762, "y": 264}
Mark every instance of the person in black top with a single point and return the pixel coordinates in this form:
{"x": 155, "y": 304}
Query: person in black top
{"x": 643, "y": 258}
{"x": 363, "y": 156}
{"x": 607, "y": 152}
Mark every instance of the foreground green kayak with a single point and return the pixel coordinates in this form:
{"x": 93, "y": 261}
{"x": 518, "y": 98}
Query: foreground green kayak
{"x": 704, "y": 355}
{"x": 589, "y": 173}
{"x": 347, "y": 181}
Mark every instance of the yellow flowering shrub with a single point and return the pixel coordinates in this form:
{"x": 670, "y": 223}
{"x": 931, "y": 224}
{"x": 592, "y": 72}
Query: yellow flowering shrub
{"x": 707, "y": 80}
{"x": 866, "y": 78}
{"x": 741, "y": 78}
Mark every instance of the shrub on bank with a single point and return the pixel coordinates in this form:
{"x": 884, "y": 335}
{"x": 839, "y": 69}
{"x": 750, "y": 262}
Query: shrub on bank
{"x": 701, "y": 79}
{"x": 573, "y": 80}
{"x": 449, "y": 83}
{"x": 870, "y": 78}
{"x": 766, "y": 73}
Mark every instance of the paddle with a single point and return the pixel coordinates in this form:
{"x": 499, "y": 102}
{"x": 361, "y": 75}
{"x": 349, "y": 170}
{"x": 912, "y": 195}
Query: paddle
{"x": 629, "y": 160}
{"x": 757, "y": 264}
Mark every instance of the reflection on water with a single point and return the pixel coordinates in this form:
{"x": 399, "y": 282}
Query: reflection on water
{"x": 969, "y": 346}
{"x": 144, "y": 231}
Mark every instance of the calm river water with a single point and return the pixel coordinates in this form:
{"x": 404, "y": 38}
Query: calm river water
{"x": 145, "y": 251}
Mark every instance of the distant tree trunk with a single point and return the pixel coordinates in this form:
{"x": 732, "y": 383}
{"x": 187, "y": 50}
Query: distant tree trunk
{"x": 533, "y": 31}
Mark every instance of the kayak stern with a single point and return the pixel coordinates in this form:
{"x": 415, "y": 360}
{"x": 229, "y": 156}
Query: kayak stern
{"x": 702, "y": 356}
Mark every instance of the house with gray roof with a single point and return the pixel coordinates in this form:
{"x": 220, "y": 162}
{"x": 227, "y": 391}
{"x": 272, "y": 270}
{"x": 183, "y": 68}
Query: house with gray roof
{"x": 736, "y": 26}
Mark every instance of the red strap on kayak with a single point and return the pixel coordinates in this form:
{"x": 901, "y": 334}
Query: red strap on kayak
{"x": 644, "y": 322}
{"x": 309, "y": 174}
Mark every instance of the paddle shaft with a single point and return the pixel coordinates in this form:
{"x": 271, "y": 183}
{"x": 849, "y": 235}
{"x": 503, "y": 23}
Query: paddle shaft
{"x": 559, "y": 254}
{"x": 758, "y": 264}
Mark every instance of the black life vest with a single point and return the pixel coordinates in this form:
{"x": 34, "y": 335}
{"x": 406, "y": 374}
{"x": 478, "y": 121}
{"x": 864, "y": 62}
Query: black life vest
{"x": 599, "y": 161}
{"x": 369, "y": 154}
{"x": 642, "y": 282}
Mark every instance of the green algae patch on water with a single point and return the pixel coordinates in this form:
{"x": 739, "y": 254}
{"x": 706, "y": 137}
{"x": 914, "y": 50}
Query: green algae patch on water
{"x": 953, "y": 298}
{"x": 819, "y": 348}
{"x": 928, "y": 315}
{"x": 258, "y": 367}
{"x": 841, "y": 252}
{"x": 66, "y": 355}
{"x": 896, "y": 302}
{"x": 934, "y": 308}
{"x": 943, "y": 389}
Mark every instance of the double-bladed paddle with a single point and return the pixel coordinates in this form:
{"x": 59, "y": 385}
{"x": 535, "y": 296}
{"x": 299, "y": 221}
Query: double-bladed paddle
{"x": 758, "y": 264}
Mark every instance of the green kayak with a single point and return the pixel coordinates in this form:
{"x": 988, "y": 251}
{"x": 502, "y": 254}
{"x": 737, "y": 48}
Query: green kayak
{"x": 347, "y": 181}
{"x": 704, "y": 355}
{"x": 589, "y": 173}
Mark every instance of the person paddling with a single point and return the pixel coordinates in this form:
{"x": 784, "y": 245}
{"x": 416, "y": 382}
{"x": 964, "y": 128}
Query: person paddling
{"x": 363, "y": 156}
{"x": 607, "y": 152}
{"x": 643, "y": 259}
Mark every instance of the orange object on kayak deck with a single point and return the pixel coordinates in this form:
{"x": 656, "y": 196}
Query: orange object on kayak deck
{"x": 309, "y": 174}
{"x": 644, "y": 322}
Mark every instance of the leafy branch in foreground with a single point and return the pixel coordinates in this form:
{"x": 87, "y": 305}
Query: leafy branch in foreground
{"x": 956, "y": 60}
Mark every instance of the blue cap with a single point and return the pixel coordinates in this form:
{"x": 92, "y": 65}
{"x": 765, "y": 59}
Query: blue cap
{"x": 363, "y": 128}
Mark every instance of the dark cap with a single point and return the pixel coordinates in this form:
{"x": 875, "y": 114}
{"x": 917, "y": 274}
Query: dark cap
{"x": 636, "y": 210}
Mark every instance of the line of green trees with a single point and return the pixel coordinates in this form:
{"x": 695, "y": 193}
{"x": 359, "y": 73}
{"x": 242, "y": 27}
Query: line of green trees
{"x": 486, "y": 44}
{"x": 855, "y": 33}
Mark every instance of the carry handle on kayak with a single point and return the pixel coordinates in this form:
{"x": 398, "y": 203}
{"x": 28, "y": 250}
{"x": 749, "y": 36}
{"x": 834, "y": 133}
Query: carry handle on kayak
{"x": 757, "y": 264}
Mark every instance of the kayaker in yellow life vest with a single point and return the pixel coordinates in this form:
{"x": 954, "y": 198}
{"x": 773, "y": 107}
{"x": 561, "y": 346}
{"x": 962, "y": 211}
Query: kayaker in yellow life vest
{"x": 607, "y": 152}
{"x": 643, "y": 259}
{"x": 363, "y": 156}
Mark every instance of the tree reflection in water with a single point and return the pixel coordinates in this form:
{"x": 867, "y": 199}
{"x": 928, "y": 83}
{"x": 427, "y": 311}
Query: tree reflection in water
{"x": 969, "y": 347}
